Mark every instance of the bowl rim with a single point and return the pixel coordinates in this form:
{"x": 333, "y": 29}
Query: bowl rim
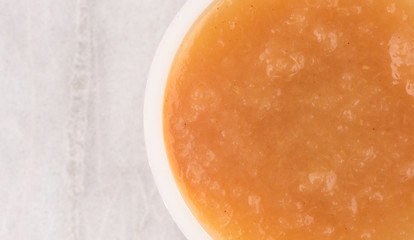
{"x": 153, "y": 124}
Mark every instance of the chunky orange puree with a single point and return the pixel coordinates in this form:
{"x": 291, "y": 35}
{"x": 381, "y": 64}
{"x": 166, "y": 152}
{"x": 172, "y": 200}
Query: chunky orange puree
{"x": 295, "y": 119}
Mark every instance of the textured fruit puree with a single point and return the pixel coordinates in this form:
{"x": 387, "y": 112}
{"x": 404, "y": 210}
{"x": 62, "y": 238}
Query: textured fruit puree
{"x": 295, "y": 119}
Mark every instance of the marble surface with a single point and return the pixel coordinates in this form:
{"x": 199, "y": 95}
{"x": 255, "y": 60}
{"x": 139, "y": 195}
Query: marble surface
{"x": 72, "y": 155}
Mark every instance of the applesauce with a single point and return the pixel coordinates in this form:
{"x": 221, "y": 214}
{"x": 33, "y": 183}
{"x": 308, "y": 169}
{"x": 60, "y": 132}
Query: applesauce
{"x": 295, "y": 119}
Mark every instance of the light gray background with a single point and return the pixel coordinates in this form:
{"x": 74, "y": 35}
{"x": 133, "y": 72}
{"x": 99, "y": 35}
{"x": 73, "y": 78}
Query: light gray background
{"x": 72, "y": 156}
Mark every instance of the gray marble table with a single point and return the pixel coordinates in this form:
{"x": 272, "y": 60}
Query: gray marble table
{"x": 72, "y": 156}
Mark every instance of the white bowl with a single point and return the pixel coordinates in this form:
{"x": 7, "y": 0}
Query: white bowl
{"x": 153, "y": 124}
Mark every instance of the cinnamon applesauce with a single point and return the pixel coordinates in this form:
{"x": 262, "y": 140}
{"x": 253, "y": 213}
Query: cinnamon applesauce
{"x": 294, "y": 119}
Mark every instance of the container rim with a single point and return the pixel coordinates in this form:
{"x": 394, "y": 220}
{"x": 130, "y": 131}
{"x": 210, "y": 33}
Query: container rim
{"x": 153, "y": 124}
